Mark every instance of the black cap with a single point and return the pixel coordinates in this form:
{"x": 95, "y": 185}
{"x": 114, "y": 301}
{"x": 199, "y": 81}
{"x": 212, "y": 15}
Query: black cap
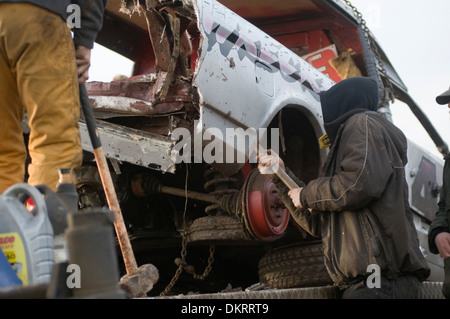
{"x": 443, "y": 98}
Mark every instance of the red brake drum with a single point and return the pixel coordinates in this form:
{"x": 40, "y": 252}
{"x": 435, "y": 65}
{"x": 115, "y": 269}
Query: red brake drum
{"x": 265, "y": 214}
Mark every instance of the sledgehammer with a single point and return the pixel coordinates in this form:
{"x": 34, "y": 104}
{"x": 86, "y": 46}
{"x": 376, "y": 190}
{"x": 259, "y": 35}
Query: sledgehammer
{"x": 138, "y": 281}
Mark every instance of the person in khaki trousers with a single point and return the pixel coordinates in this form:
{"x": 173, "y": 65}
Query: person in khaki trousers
{"x": 41, "y": 67}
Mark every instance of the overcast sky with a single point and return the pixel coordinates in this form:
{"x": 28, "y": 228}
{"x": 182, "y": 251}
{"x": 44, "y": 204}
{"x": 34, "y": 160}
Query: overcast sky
{"x": 414, "y": 34}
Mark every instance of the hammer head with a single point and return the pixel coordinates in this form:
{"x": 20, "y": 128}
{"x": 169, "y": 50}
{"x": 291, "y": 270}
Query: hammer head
{"x": 139, "y": 283}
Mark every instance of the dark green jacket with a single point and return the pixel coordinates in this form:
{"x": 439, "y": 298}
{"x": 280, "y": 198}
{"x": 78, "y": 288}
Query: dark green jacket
{"x": 360, "y": 205}
{"x": 441, "y": 221}
{"x": 91, "y": 16}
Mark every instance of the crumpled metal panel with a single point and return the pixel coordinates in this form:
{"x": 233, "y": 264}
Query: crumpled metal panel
{"x": 121, "y": 104}
{"x": 135, "y": 96}
{"x": 132, "y": 146}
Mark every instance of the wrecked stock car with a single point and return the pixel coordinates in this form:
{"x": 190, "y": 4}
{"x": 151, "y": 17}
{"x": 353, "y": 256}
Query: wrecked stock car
{"x": 208, "y": 77}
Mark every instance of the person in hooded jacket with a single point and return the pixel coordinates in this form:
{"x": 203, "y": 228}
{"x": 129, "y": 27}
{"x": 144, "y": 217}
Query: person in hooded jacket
{"x": 359, "y": 205}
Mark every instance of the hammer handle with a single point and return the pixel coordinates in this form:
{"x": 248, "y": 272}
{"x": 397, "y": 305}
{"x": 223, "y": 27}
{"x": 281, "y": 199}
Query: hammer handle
{"x": 108, "y": 186}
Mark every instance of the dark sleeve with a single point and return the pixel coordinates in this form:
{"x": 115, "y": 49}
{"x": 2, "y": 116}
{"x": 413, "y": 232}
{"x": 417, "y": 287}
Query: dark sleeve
{"x": 91, "y": 21}
{"x": 308, "y": 221}
{"x": 440, "y": 223}
{"x": 364, "y": 170}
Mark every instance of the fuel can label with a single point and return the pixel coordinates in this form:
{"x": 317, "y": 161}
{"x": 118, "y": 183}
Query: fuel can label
{"x": 12, "y": 246}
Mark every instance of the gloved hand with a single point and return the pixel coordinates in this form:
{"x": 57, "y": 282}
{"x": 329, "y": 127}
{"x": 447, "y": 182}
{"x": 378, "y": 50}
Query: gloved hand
{"x": 442, "y": 241}
{"x": 269, "y": 163}
{"x": 294, "y": 194}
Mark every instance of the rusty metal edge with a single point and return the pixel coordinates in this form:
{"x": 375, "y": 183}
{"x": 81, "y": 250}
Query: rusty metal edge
{"x": 132, "y": 146}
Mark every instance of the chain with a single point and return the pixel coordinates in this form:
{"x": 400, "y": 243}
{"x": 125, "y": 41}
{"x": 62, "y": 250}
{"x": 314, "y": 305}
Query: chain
{"x": 388, "y": 89}
{"x": 181, "y": 262}
{"x": 183, "y": 265}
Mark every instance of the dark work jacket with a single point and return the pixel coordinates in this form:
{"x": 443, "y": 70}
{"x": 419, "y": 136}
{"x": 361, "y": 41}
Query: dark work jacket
{"x": 360, "y": 205}
{"x": 91, "y": 16}
{"x": 441, "y": 221}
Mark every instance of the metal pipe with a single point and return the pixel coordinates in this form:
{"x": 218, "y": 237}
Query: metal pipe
{"x": 189, "y": 194}
{"x": 286, "y": 179}
{"x": 144, "y": 185}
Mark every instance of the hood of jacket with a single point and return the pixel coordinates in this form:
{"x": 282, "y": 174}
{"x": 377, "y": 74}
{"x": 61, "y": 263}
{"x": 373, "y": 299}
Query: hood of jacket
{"x": 345, "y": 98}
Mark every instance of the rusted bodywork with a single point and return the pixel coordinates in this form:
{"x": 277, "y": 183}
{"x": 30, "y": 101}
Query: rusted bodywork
{"x": 204, "y": 67}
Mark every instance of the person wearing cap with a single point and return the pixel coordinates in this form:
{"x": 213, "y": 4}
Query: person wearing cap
{"x": 439, "y": 232}
{"x": 359, "y": 205}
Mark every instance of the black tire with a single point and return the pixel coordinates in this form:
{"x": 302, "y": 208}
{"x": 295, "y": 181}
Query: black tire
{"x": 294, "y": 266}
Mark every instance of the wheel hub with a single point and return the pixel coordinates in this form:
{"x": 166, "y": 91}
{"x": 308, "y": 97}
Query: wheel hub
{"x": 264, "y": 213}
